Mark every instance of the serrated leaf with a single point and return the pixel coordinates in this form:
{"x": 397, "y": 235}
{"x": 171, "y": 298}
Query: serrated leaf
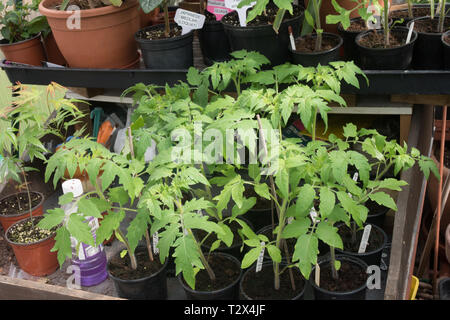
{"x": 327, "y": 201}
{"x": 383, "y": 199}
{"x": 250, "y": 257}
{"x": 329, "y": 235}
{"x": 53, "y": 218}
{"x": 305, "y": 199}
{"x": 62, "y": 245}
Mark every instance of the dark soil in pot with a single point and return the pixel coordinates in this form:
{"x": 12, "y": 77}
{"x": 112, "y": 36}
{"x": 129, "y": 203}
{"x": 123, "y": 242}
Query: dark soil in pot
{"x": 213, "y": 40}
{"x": 428, "y": 50}
{"x": 147, "y": 282}
{"x": 259, "y": 285}
{"x": 350, "y": 285}
{"x": 376, "y": 243}
{"x": 374, "y": 55}
{"x": 227, "y": 271}
{"x": 19, "y": 203}
{"x": 161, "y": 52}
{"x": 27, "y": 232}
{"x": 306, "y": 55}
{"x": 259, "y": 35}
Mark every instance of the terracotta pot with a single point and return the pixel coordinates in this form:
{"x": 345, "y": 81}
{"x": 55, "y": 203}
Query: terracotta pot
{"x": 8, "y": 220}
{"x": 105, "y": 38}
{"x": 28, "y": 51}
{"x": 35, "y": 258}
{"x": 327, "y": 8}
{"x": 54, "y": 55}
{"x": 432, "y": 191}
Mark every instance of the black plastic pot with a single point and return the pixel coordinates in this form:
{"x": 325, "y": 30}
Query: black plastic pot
{"x": 377, "y": 215}
{"x": 214, "y": 42}
{"x": 153, "y": 287}
{"x": 398, "y": 58}
{"x": 252, "y": 270}
{"x": 231, "y": 292}
{"x": 428, "y": 50}
{"x": 312, "y": 59}
{"x": 370, "y": 257}
{"x": 171, "y": 53}
{"x": 444, "y": 289}
{"x": 416, "y": 6}
{"x": 446, "y": 46}
{"x": 351, "y": 52}
{"x": 263, "y": 39}
{"x": 322, "y": 294}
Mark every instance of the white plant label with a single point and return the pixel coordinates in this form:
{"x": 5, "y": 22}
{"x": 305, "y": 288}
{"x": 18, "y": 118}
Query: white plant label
{"x": 155, "y": 243}
{"x": 260, "y": 260}
{"x": 411, "y": 28}
{"x": 242, "y": 12}
{"x": 189, "y": 20}
{"x": 217, "y": 7}
{"x": 365, "y": 239}
{"x": 289, "y": 220}
{"x": 313, "y": 215}
{"x": 291, "y": 38}
{"x": 317, "y": 275}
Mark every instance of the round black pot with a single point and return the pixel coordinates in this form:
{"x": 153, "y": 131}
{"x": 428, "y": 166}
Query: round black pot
{"x": 428, "y": 50}
{"x": 376, "y": 215}
{"x": 369, "y": 257}
{"x": 263, "y": 39}
{"x": 398, "y": 58}
{"x": 322, "y": 294}
{"x": 312, "y": 59}
{"x": 172, "y": 53}
{"x": 252, "y": 270}
{"x": 153, "y": 287}
{"x": 350, "y": 49}
{"x": 406, "y": 20}
{"x": 446, "y": 46}
{"x": 230, "y": 292}
{"x": 214, "y": 43}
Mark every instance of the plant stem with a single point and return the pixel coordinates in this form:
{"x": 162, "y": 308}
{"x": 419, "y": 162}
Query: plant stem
{"x": 166, "y": 19}
{"x": 386, "y": 23}
{"x": 410, "y": 13}
{"x": 334, "y": 272}
{"x": 277, "y": 244}
{"x": 149, "y": 245}
{"x": 441, "y": 17}
{"x": 132, "y": 256}
{"x": 29, "y": 195}
{"x": 316, "y": 7}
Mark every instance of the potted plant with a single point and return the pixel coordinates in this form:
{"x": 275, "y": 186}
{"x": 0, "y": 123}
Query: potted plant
{"x": 21, "y": 37}
{"x": 428, "y": 51}
{"x": 25, "y": 123}
{"x": 388, "y": 48}
{"x": 319, "y": 47}
{"x": 413, "y": 10}
{"x": 164, "y": 46}
{"x": 267, "y": 22}
{"x": 86, "y": 34}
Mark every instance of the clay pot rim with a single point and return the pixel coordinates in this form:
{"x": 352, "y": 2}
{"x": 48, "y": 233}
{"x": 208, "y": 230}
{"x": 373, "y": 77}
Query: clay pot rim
{"x": 18, "y": 244}
{"x": 328, "y": 34}
{"x": 85, "y": 13}
{"x": 414, "y": 37}
{"x": 28, "y": 211}
{"x": 20, "y": 42}
{"x": 423, "y": 18}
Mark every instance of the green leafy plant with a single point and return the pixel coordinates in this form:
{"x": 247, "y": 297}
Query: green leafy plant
{"x": 33, "y": 114}
{"x": 15, "y": 23}
{"x": 343, "y": 16}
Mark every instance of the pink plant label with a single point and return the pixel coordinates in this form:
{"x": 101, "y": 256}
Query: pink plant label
{"x": 217, "y": 7}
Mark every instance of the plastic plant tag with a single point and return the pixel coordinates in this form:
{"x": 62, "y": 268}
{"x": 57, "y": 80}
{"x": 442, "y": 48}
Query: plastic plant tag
{"x": 217, "y": 7}
{"x": 259, "y": 262}
{"x": 317, "y": 275}
{"x": 411, "y": 28}
{"x": 291, "y": 38}
{"x": 289, "y": 220}
{"x": 155, "y": 243}
{"x": 242, "y": 12}
{"x": 313, "y": 215}
{"x": 365, "y": 239}
{"x": 189, "y": 20}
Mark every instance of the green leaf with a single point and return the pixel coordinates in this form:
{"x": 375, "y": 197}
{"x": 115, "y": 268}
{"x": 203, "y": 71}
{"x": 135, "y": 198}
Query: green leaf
{"x": 62, "y": 245}
{"x": 136, "y": 229}
{"x": 187, "y": 257}
{"x": 296, "y": 228}
{"x": 282, "y": 182}
{"x": 250, "y": 257}
{"x": 274, "y": 253}
{"x": 65, "y": 198}
{"x": 329, "y": 235}
{"x": 263, "y": 190}
{"x": 305, "y": 199}
{"x": 149, "y": 5}
{"x": 88, "y": 208}
{"x": 383, "y": 199}
{"x": 109, "y": 224}
{"x": 53, "y": 218}
{"x": 327, "y": 201}
{"x": 119, "y": 195}
{"x": 306, "y": 251}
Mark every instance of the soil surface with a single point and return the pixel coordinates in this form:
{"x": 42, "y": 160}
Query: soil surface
{"x": 375, "y": 239}
{"x": 357, "y": 26}
{"x": 28, "y": 232}
{"x": 82, "y": 4}
{"x": 430, "y": 26}
{"x": 19, "y": 203}
{"x": 121, "y": 268}
{"x": 209, "y": 17}
{"x": 259, "y": 285}
{"x": 403, "y": 14}
{"x": 225, "y": 270}
{"x": 308, "y": 43}
{"x": 261, "y": 20}
{"x": 158, "y": 33}
{"x": 351, "y": 277}
{"x": 376, "y": 40}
